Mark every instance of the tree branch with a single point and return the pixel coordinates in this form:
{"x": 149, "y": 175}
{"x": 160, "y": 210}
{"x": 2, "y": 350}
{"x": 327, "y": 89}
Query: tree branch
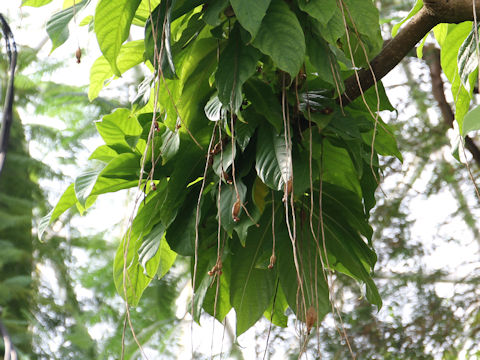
{"x": 432, "y": 57}
{"x": 432, "y": 13}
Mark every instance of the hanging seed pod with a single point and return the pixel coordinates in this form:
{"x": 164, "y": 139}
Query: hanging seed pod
{"x": 311, "y": 318}
{"x": 236, "y": 210}
{"x": 78, "y": 55}
{"x": 153, "y": 186}
{"x": 273, "y": 259}
{"x": 289, "y": 186}
{"x": 227, "y": 178}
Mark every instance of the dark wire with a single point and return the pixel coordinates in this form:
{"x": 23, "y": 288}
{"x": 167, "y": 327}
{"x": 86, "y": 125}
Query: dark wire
{"x": 7, "y": 118}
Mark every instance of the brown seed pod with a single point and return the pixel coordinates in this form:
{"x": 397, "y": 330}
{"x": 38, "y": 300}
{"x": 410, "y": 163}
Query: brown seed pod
{"x": 236, "y": 210}
{"x": 78, "y": 55}
{"x": 311, "y": 318}
{"x": 273, "y": 259}
{"x": 227, "y": 178}
{"x": 153, "y": 186}
{"x": 289, "y": 186}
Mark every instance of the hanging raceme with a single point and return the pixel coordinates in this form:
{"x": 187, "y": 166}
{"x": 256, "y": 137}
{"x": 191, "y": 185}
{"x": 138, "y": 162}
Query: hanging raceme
{"x": 221, "y": 64}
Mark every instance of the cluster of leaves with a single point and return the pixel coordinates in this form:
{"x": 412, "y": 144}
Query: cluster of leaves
{"x": 246, "y": 161}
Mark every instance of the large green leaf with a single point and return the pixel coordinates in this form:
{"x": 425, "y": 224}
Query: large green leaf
{"x": 264, "y": 102}
{"x": 281, "y": 37}
{"x": 250, "y": 13}
{"x": 118, "y": 128}
{"x": 122, "y": 172}
{"x": 322, "y": 10}
{"x": 237, "y": 63}
{"x": 251, "y": 289}
{"x": 333, "y": 30}
{"x": 366, "y": 18}
{"x": 453, "y": 40}
{"x": 57, "y": 25}
{"x": 154, "y": 255}
{"x": 338, "y": 167}
{"x": 323, "y": 60}
{"x": 219, "y": 304}
{"x": 133, "y": 282}
{"x": 112, "y": 27}
{"x": 314, "y": 289}
{"x": 130, "y": 54}
{"x": 273, "y": 161}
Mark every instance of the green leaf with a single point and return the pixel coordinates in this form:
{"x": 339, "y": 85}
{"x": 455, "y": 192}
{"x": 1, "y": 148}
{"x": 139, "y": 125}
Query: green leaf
{"x": 250, "y": 13}
{"x": 366, "y": 17}
{"x": 122, "y": 172}
{"x": 66, "y": 201}
{"x": 116, "y": 127}
{"x": 130, "y": 54}
{"x": 273, "y": 162}
{"x": 314, "y": 291}
{"x": 281, "y": 37}
{"x": 333, "y": 30}
{"x": 338, "y": 167}
{"x": 131, "y": 284}
{"x": 237, "y": 63}
{"x": 143, "y": 12}
{"x": 245, "y": 129}
{"x": 85, "y": 182}
{"x": 418, "y": 5}
{"x": 455, "y": 37}
{"x": 323, "y": 60}
{"x": 251, "y": 289}
{"x": 103, "y": 153}
{"x": 471, "y": 122}
{"x": 467, "y": 60}
{"x": 223, "y": 160}
{"x": 385, "y": 143}
{"x": 154, "y": 255}
{"x": 264, "y": 102}
{"x": 86, "y": 20}
{"x": 222, "y": 300}
{"x": 161, "y": 45}
{"x": 35, "y": 3}
{"x": 259, "y": 194}
{"x": 112, "y": 27}
{"x": 181, "y": 233}
{"x": 322, "y": 10}
{"x": 148, "y": 250}
{"x": 170, "y": 145}
{"x": 228, "y": 197}
{"x": 276, "y": 311}
{"x": 57, "y": 25}
{"x": 214, "y": 109}
{"x": 213, "y": 12}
